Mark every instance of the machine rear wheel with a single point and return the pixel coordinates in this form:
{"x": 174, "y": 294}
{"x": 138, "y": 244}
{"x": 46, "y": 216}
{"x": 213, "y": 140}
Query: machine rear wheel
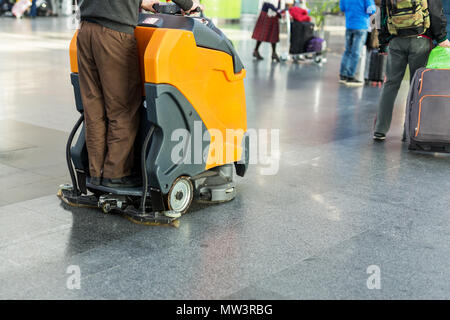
{"x": 180, "y": 195}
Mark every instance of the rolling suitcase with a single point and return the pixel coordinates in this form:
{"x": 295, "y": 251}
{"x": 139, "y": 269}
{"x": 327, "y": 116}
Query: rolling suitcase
{"x": 428, "y": 111}
{"x": 301, "y": 34}
{"x": 377, "y": 66}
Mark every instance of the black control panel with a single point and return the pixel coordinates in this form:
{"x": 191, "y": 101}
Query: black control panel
{"x": 167, "y": 8}
{"x": 171, "y": 8}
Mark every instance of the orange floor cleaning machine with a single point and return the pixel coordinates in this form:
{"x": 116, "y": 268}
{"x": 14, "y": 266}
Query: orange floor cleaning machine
{"x": 200, "y": 103}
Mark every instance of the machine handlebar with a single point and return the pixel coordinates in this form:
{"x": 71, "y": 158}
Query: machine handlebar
{"x": 171, "y": 8}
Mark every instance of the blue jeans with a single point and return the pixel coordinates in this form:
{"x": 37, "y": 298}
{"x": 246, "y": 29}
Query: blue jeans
{"x": 33, "y": 12}
{"x": 354, "y": 42}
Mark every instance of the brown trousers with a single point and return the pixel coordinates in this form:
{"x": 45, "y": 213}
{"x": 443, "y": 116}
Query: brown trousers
{"x": 110, "y": 87}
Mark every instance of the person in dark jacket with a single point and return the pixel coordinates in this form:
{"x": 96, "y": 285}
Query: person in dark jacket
{"x": 412, "y": 50}
{"x": 267, "y": 28}
{"x": 110, "y": 85}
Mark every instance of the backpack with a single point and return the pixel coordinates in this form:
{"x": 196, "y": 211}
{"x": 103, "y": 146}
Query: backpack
{"x": 408, "y": 17}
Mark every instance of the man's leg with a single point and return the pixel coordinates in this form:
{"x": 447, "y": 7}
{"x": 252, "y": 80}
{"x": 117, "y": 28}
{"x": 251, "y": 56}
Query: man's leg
{"x": 396, "y": 67}
{"x": 92, "y": 96}
{"x": 359, "y": 39}
{"x": 346, "y": 56}
{"x": 117, "y": 59}
{"x": 419, "y": 52}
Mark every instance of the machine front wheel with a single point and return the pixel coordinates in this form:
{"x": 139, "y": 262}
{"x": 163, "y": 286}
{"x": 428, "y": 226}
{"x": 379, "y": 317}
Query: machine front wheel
{"x": 180, "y": 195}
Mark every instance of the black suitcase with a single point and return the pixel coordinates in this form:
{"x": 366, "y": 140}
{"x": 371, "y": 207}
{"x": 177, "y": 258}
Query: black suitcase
{"x": 377, "y": 67}
{"x": 301, "y": 34}
{"x": 427, "y": 125}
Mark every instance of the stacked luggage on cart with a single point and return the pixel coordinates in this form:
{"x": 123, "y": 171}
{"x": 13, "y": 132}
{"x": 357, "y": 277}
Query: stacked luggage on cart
{"x": 303, "y": 44}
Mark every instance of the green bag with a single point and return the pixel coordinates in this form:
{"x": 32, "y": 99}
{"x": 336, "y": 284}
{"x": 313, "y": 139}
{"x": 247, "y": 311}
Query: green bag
{"x": 439, "y": 58}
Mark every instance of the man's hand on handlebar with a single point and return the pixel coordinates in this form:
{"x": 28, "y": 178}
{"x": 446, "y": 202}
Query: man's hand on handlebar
{"x": 445, "y": 44}
{"x": 148, "y": 5}
{"x": 195, "y": 7}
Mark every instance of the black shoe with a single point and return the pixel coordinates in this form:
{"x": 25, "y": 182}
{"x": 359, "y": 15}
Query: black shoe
{"x": 257, "y": 56}
{"x": 379, "y": 136}
{"x": 343, "y": 79}
{"x": 96, "y": 181}
{"x": 352, "y": 82}
{"x": 275, "y": 58}
{"x": 125, "y": 182}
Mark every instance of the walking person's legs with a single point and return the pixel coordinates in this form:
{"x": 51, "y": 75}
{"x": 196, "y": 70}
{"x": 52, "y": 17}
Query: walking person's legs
{"x": 396, "y": 68}
{"x": 274, "y": 53}
{"x": 419, "y": 52}
{"x": 346, "y": 56}
{"x": 256, "y": 53}
{"x": 33, "y": 12}
{"x": 354, "y": 42}
{"x": 359, "y": 39}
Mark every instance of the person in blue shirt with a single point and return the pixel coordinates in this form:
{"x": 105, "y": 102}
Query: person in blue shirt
{"x": 357, "y": 17}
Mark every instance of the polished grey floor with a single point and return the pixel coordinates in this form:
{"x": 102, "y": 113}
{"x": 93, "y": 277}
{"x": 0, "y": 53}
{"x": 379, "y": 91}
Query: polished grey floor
{"x": 339, "y": 203}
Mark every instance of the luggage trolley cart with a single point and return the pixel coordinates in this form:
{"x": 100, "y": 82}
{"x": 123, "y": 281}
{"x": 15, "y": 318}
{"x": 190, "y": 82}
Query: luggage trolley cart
{"x": 316, "y": 51}
{"x": 286, "y": 20}
{"x": 307, "y": 50}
